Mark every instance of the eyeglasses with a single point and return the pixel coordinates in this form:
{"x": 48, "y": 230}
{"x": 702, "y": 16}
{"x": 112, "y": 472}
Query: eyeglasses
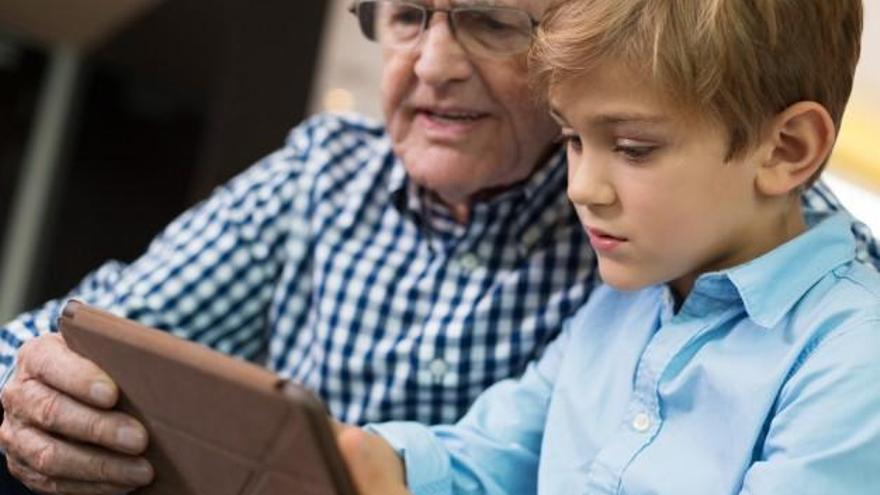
{"x": 480, "y": 29}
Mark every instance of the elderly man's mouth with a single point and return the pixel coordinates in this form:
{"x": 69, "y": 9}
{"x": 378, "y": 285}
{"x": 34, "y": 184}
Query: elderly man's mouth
{"x": 452, "y": 116}
{"x": 449, "y": 123}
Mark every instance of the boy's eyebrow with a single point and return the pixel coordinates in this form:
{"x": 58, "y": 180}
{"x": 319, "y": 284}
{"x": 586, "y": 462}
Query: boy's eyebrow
{"x": 612, "y": 118}
{"x": 626, "y": 118}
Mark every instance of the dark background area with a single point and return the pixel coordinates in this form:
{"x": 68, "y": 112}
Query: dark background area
{"x": 173, "y": 105}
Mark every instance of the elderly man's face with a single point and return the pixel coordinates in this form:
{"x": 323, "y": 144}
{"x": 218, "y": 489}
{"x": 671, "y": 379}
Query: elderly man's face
{"x": 462, "y": 123}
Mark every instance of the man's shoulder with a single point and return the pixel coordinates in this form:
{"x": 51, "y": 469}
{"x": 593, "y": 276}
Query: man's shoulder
{"x": 339, "y": 147}
{"x": 323, "y": 147}
{"x": 326, "y": 129}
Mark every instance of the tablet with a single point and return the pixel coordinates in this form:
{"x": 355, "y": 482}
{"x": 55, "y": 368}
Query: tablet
{"x": 217, "y": 425}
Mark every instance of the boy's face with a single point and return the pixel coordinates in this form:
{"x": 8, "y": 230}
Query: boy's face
{"x": 651, "y": 185}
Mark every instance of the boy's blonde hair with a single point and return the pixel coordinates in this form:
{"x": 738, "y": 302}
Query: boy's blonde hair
{"x": 738, "y": 61}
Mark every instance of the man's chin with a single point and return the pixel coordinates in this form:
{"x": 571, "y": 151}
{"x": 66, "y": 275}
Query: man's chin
{"x": 452, "y": 189}
{"x": 443, "y": 162}
{"x": 453, "y": 182}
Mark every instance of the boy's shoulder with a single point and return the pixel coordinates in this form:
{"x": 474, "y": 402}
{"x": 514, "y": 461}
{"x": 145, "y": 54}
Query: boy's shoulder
{"x": 836, "y": 330}
{"x": 846, "y": 299}
{"x": 812, "y": 283}
{"x": 856, "y": 287}
{"x": 860, "y": 277}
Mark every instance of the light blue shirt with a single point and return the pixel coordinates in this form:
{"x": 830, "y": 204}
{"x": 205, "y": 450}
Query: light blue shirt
{"x": 766, "y": 381}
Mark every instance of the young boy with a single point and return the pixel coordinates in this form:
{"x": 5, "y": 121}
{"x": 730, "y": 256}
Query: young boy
{"x": 736, "y": 345}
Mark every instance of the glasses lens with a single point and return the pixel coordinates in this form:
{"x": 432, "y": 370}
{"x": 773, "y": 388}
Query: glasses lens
{"x": 366, "y": 15}
{"x": 394, "y": 23}
{"x": 493, "y": 30}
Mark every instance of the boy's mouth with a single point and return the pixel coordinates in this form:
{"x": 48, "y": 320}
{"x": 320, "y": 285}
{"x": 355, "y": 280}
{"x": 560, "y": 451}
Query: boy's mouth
{"x": 604, "y": 235}
{"x": 602, "y": 241}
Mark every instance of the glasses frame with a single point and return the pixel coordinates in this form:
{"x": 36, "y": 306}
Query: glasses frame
{"x": 428, "y": 13}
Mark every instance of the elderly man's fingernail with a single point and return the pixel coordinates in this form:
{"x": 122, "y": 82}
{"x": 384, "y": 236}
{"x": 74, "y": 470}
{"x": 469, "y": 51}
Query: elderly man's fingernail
{"x": 102, "y": 392}
{"x": 130, "y": 438}
{"x": 141, "y": 474}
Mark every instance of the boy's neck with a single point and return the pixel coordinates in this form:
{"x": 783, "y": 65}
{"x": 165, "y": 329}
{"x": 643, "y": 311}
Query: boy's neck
{"x": 781, "y": 223}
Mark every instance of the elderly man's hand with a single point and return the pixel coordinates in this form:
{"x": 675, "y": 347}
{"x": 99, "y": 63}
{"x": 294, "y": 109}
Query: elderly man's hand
{"x": 375, "y": 467}
{"x": 59, "y": 434}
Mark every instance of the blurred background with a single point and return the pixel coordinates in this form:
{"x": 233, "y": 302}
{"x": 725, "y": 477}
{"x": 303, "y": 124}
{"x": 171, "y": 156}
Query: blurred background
{"x": 116, "y": 115}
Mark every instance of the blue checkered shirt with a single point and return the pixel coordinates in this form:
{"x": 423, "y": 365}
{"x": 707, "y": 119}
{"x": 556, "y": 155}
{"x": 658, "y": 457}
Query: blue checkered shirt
{"x": 326, "y": 264}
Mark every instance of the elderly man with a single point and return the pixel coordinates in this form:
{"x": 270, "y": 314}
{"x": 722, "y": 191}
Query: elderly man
{"x": 397, "y": 270}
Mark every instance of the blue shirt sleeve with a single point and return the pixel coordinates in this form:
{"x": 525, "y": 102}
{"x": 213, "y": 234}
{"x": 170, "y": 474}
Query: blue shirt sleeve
{"x": 825, "y": 434}
{"x": 494, "y": 448}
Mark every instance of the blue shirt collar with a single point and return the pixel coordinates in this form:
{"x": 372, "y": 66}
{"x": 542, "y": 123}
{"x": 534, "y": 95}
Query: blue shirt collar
{"x": 770, "y": 285}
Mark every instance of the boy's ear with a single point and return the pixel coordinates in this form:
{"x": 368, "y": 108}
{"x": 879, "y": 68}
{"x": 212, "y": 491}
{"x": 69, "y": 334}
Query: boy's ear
{"x": 800, "y": 139}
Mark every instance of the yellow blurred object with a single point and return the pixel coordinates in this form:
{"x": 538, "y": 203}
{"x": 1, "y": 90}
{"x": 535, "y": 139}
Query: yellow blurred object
{"x": 857, "y": 152}
{"x": 339, "y": 100}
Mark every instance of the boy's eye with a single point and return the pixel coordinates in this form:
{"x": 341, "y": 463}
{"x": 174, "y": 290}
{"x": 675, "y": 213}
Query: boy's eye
{"x": 633, "y": 150}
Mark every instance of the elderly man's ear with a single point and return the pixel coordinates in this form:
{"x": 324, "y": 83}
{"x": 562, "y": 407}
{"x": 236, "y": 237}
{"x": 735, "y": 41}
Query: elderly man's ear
{"x": 799, "y": 140}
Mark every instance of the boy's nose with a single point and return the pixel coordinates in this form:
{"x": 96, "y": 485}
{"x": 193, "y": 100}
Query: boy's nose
{"x": 587, "y": 184}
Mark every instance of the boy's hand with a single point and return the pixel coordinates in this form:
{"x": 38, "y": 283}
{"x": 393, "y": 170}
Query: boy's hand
{"x": 59, "y": 432}
{"x": 375, "y": 467}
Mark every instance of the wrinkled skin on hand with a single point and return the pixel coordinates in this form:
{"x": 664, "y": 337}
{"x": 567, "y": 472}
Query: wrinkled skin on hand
{"x": 59, "y": 431}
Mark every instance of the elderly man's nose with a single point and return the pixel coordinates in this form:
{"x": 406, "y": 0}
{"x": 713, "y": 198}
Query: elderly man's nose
{"x": 441, "y": 57}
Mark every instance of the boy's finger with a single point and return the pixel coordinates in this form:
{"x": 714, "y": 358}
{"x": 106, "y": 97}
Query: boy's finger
{"x": 373, "y": 464}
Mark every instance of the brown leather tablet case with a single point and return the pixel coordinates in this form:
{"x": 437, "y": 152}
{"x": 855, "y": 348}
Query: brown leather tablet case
{"x": 217, "y": 425}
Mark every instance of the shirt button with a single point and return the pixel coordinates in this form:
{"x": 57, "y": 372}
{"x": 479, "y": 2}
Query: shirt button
{"x": 641, "y": 422}
{"x": 438, "y": 368}
{"x": 469, "y": 262}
